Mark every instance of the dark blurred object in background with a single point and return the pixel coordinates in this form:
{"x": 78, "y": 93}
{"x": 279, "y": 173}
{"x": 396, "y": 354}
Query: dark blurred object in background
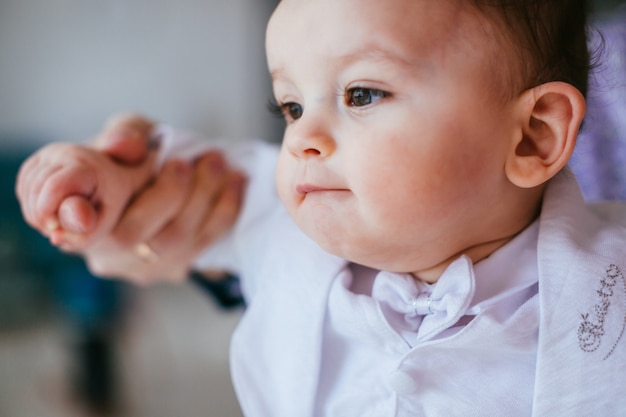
{"x": 38, "y": 282}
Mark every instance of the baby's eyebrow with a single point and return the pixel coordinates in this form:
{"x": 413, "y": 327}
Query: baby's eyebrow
{"x": 413, "y": 64}
{"x": 367, "y": 53}
{"x": 373, "y": 53}
{"x": 277, "y": 74}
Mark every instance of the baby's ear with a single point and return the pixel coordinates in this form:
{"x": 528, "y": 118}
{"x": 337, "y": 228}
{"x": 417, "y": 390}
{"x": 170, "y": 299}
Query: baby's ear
{"x": 550, "y": 117}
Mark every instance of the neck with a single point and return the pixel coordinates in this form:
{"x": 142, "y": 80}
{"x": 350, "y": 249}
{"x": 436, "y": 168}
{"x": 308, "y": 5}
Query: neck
{"x": 476, "y": 253}
{"x": 479, "y": 251}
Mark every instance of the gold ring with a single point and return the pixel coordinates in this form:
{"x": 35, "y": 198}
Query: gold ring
{"x": 146, "y": 253}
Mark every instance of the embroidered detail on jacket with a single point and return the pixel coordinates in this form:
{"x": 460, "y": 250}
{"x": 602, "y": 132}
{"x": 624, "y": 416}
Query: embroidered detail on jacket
{"x": 591, "y": 329}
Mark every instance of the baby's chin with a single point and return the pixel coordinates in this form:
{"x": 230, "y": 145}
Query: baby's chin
{"x": 376, "y": 257}
{"x": 339, "y": 239}
{"x": 427, "y": 270}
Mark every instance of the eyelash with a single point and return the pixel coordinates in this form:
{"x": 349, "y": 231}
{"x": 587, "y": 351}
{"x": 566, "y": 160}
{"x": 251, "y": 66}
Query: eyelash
{"x": 275, "y": 108}
{"x": 284, "y": 110}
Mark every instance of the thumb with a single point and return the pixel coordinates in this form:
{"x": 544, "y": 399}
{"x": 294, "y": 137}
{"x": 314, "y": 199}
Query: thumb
{"x": 125, "y": 146}
{"x": 127, "y": 139}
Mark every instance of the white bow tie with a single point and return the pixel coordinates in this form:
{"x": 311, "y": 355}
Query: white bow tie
{"x": 426, "y": 309}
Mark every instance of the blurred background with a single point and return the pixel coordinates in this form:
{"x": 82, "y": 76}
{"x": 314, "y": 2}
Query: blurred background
{"x": 72, "y": 345}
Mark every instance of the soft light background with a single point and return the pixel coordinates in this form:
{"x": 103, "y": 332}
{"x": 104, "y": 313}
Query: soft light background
{"x": 66, "y": 339}
{"x": 65, "y": 65}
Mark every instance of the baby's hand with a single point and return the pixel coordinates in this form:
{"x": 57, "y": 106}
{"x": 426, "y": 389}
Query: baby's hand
{"x": 73, "y": 193}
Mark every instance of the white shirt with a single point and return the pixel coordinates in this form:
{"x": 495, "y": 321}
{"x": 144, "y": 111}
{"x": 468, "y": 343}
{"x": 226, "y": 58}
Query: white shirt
{"x": 368, "y": 335}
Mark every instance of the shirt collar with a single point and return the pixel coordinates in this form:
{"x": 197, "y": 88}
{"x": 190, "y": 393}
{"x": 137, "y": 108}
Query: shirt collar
{"x": 412, "y": 306}
{"x": 507, "y": 271}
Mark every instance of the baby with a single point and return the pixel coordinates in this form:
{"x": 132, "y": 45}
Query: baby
{"x": 432, "y": 255}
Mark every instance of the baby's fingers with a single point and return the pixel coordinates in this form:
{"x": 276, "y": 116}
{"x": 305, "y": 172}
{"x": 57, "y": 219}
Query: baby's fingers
{"x": 60, "y": 185}
{"x": 77, "y": 219}
{"x": 28, "y": 188}
{"x": 77, "y": 215}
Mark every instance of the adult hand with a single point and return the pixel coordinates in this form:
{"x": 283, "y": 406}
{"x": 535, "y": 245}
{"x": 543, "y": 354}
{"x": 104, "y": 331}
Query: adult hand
{"x": 169, "y": 222}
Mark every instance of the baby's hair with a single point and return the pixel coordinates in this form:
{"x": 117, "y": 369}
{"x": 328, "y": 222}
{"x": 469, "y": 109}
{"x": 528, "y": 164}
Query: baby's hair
{"x": 549, "y": 37}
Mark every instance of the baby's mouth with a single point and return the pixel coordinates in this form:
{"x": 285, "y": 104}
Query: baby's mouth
{"x": 311, "y": 188}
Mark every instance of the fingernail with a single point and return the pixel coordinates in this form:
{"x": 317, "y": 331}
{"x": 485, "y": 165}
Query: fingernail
{"x": 57, "y": 237}
{"x": 50, "y": 226}
{"x": 67, "y": 241}
{"x": 131, "y": 133}
{"x": 125, "y": 133}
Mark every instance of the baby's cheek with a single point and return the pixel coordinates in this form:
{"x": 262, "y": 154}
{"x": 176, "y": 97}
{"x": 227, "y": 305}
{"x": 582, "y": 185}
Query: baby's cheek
{"x": 398, "y": 203}
{"x": 284, "y": 187}
{"x": 387, "y": 194}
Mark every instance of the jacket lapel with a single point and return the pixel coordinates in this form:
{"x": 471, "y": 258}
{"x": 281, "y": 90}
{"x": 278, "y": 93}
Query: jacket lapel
{"x": 581, "y": 358}
{"x": 290, "y": 309}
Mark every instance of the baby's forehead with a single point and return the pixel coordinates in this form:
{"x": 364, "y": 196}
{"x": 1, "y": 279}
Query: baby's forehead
{"x": 419, "y": 16}
{"x": 414, "y": 29}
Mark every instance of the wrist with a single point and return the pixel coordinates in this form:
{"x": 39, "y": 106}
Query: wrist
{"x": 222, "y": 286}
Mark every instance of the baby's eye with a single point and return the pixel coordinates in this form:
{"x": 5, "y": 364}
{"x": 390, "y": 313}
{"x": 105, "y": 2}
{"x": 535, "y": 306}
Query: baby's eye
{"x": 293, "y": 110}
{"x": 290, "y": 111}
{"x": 359, "y": 97}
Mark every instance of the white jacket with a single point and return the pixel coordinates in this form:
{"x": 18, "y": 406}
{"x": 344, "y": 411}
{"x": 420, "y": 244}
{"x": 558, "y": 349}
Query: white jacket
{"x": 276, "y": 351}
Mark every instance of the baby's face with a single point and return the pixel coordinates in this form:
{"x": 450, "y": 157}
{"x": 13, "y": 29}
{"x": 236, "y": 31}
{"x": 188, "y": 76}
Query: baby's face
{"x": 393, "y": 153}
